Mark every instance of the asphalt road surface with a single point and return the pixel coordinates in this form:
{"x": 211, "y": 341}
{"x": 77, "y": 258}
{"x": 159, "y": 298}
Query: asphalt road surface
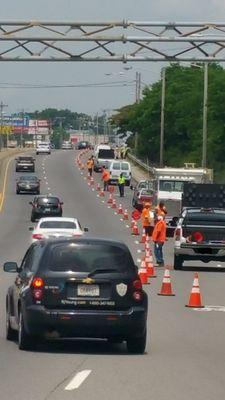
{"x": 185, "y": 353}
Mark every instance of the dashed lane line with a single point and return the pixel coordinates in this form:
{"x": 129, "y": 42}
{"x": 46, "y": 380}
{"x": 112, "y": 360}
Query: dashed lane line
{"x": 78, "y": 379}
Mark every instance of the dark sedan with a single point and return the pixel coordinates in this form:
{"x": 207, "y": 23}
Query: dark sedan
{"x": 88, "y": 288}
{"x": 28, "y": 184}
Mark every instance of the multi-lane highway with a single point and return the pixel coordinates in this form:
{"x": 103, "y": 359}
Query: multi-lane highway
{"x": 185, "y": 353}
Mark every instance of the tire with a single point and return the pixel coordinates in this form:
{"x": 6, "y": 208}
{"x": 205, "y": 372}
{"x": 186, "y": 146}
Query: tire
{"x": 25, "y": 341}
{"x": 33, "y": 218}
{"x": 10, "y": 333}
{"x": 178, "y": 262}
{"x": 136, "y": 345}
{"x": 17, "y": 192}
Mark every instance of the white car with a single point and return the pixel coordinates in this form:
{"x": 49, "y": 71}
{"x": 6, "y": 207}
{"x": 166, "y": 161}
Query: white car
{"x": 67, "y": 146}
{"x": 43, "y": 148}
{"x": 56, "y": 227}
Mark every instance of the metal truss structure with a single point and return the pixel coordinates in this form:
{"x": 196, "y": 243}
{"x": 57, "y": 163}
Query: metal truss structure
{"x": 111, "y": 41}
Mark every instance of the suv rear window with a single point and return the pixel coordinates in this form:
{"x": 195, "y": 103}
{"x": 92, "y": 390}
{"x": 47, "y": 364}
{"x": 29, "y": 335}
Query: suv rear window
{"x": 125, "y": 166}
{"x": 45, "y": 200}
{"x": 58, "y": 225}
{"x": 86, "y": 258}
{"x": 205, "y": 218}
{"x": 116, "y": 166}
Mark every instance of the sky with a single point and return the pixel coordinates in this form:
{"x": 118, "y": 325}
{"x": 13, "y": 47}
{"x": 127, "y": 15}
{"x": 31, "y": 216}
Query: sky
{"x": 90, "y": 100}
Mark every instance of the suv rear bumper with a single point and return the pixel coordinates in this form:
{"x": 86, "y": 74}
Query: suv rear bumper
{"x": 203, "y": 252}
{"x": 85, "y": 323}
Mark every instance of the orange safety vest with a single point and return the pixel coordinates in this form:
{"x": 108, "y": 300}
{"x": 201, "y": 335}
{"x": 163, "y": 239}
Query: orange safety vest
{"x": 159, "y": 232}
{"x": 145, "y": 217}
{"x": 105, "y": 175}
{"x": 90, "y": 164}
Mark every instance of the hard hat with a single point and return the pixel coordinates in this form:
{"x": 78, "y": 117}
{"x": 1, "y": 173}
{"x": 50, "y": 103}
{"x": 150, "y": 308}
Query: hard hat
{"x": 160, "y": 218}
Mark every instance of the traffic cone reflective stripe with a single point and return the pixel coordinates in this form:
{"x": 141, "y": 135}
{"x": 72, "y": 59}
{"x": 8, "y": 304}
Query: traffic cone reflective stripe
{"x": 195, "y": 300}
{"x": 150, "y": 267}
{"x": 114, "y": 203}
{"x": 166, "y": 289}
{"x": 110, "y": 199}
{"x": 143, "y": 237}
{"x": 120, "y": 210}
{"x": 135, "y": 230}
{"x": 125, "y": 215}
{"x": 143, "y": 274}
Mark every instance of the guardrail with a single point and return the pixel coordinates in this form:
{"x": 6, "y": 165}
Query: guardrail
{"x": 141, "y": 163}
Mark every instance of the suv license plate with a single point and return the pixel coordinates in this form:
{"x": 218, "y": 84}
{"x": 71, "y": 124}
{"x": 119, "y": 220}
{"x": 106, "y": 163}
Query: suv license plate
{"x": 48, "y": 209}
{"x": 88, "y": 290}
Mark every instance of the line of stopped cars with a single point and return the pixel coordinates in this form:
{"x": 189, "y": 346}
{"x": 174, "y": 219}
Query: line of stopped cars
{"x": 69, "y": 285}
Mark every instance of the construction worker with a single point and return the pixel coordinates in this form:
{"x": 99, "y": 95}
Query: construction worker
{"x": 147, "y": 218}
{"x": 121, "y": 184}
{"x": 105, "y": 178}
{"x": 159, "y": 238}
{"x": 90, "y": 165}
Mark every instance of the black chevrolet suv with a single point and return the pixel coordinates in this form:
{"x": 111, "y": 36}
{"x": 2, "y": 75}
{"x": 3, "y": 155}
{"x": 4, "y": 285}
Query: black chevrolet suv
{"x": 45, "y": 206}
{"x": 86, "y": 288}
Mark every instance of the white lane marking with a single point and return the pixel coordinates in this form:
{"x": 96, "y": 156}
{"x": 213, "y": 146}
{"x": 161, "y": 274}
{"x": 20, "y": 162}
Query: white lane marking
{"x": 127, "y": 226}
{"x": 103, "y": 201}
{"x": 78, "y": 379}
{"x": 49, "y": 188}
{"x": 93, "y": 189}
{"x": 82, "y": 173}
{"x": 211, "y": 308}
{"x": 139, "y": 251}
{"x": 45, "y": 177}
{"x": 136, "y": 242}
{"x": 138, "y": 260}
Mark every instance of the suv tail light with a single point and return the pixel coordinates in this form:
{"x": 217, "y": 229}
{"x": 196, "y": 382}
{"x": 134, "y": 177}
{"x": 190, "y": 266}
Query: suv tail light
{"x": 177, "y": 234}
{"x": 37, "y": 236}
{"x": 197, "y": 237}
{"x": 37, "y": 286}
{"x": 137, "y": 294}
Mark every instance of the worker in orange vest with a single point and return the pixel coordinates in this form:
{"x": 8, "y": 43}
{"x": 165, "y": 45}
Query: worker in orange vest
{"x": 159, "y": 238}
{"x": 105, "y": 178}
{"x": 147, "y": 218}
{"x": 90, "y": 165}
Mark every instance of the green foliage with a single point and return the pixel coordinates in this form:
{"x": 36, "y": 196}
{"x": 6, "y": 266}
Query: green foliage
{"x": 183, "y": 118}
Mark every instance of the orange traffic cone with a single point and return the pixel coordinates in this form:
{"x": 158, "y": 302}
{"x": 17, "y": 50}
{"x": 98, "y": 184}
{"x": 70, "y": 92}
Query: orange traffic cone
{"x": 102, "y": 193}
{"x": 110, "y": 199}
{"x": 98, "y": 187}
{"x": 125, "y": 215}
{"x": 166, "y": 289}
{"x": 195, "y": 296}
{"x": 143, "y": 274}
{"x": 149, "y": 263}
{"x": 120, "y": 210}
{"x": 135, "y": 230}
{"x": 143, "y": 237}
{"x": 114, "y": 203}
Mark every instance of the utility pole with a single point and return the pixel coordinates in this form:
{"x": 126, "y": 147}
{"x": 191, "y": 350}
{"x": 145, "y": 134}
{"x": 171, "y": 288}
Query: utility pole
{"x": 205, "y": 114}
{"x": 2, "y": 106}
{"x": 22, "y": 129}
{"x": 162, "y": 124}
{"x": 138, "y": 87}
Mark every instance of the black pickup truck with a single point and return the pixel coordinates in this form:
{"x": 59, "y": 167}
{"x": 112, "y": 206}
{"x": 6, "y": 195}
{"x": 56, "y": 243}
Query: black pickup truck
{"x": 200, "y": 232}
{"x": 25, "y": 163}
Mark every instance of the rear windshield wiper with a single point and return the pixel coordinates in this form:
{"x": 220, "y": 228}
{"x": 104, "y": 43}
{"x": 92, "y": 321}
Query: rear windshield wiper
{"x": 102, "y": 271}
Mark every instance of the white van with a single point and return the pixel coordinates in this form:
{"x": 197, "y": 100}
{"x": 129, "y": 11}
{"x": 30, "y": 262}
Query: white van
{"x": 116, "y": 168}
{"x": 104, "y": 154}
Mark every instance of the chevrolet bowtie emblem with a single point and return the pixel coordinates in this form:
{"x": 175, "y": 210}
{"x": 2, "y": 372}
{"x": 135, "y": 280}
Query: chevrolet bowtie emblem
{"x": 88, "y": 280}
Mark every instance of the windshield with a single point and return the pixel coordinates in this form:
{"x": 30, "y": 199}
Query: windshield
{"x": 171, "y": 186}
{"x": 58, "y": 225}
{"x": 85, "y": 258}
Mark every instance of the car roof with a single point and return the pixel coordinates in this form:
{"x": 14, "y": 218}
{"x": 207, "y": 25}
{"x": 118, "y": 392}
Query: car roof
{"x": 204, "y": 210}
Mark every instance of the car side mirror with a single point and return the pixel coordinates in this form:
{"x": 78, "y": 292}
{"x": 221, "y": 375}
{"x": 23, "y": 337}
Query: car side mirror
{"x": 10, "y": 267}
{"x": 86, "y": 229}
{"x": 61, "y": 202}
{"x": 31, "y": 228}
